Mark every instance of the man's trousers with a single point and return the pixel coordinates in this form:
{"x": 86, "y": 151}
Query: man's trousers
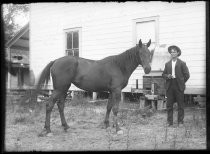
{"x": 173, "y": 95}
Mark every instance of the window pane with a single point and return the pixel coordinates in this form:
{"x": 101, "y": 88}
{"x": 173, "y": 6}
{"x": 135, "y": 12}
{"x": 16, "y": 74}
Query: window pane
{"x": 76, "y": 53}
{"x": 146, "y": 31}
{"x": 75, "y": 40}
{"x": 69, "y": 40}
{"x": 69, "y": 52}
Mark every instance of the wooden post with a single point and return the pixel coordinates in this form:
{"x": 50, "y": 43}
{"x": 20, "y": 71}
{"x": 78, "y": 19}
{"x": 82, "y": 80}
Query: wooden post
{"x": 122, "y": 96}
{"x": 137, "y": 84}
{"x": 19, "y": 78}
{"x": 72, "y": 94}
{"x": 50, "y": 92}
{"x": 94, "y": 96}
{"x": 8, "y": 80}
{"x": 190, "y": 102}
{"x": 153, "y": 104}
{"x": 160, "y": 105}
{"x": 142, "y": 103}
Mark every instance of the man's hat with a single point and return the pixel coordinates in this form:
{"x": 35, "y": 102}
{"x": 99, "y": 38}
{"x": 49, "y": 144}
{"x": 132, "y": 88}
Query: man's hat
{"x": 176, "y": 48}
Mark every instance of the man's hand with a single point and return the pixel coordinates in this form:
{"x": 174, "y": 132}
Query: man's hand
{"x": 169, "y": 76}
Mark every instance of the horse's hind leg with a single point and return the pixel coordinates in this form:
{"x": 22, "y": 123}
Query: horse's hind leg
{"x": 49, "y": 106}
{"x": 61, "y": 105}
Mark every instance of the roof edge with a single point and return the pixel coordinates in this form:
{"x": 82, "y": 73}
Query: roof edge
{"x": 17, "y": 35}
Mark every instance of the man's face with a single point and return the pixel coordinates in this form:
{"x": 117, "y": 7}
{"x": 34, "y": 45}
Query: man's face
{"x": 174, "y": 53}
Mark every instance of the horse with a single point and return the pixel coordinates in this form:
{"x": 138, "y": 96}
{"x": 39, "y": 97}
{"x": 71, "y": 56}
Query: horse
{"x": 110, "y": 74}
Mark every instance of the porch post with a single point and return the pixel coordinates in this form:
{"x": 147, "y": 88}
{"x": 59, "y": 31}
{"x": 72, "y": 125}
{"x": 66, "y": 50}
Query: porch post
{"x": 9, "y": 67}
{"x": 8, "y": 80}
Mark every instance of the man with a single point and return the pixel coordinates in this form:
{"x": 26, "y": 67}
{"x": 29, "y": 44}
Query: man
{"x": 176, "y": 74}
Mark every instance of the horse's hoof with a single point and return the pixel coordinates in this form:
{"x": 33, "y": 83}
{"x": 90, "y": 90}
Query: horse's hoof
{"x": 40, "y": 135}
{"x": 66, "y": 128}
{"x": 103, "y": 125}
{"x": 120, "y": 132}
{"x": 49, "y": 134}
{"x": 43, "y": 133}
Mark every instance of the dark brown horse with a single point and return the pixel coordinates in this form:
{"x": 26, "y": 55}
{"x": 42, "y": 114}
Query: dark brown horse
{"x": 109, "y": 74}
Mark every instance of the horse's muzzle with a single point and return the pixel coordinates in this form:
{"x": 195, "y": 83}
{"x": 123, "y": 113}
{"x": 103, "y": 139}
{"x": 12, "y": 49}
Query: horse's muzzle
{"x": 147, "y": 70}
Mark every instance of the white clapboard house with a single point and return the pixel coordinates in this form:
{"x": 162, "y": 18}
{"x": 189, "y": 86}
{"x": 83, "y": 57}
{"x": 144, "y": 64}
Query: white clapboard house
{"x": 95, "y": 30}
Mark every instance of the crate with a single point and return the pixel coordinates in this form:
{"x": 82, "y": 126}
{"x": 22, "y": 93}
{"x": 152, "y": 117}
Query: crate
{"x": 151, "y": 97}
{"x": 200, "y": 100}
{"x": 156, "y": 78}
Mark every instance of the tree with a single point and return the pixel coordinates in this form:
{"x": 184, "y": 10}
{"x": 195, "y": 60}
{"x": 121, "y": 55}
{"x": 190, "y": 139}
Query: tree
{"x": 10, "y": 12}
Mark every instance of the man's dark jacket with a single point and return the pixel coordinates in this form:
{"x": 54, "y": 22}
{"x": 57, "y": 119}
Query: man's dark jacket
{"x": 181, "y": 72}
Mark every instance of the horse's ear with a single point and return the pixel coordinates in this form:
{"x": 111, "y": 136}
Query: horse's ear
{"x": 140, "y": 43}
{"x": 148, "y": 44}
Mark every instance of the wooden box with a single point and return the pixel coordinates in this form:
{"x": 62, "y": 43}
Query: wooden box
{"x": 156, "y": 78}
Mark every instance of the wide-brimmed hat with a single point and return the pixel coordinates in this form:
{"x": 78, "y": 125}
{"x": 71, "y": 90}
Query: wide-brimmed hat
{"x": 176, "y": 48}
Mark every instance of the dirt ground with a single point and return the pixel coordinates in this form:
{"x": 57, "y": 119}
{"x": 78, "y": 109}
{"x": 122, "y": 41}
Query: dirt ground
{"x": 148, "y": 132}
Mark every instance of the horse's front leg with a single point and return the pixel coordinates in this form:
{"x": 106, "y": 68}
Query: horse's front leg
{"x": 116, "y": 100}
{"x": 108, "y": 110}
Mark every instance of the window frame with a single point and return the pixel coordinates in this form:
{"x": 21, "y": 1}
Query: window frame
{"x": 68, "y": 30}
{"x": 146, "y": 19}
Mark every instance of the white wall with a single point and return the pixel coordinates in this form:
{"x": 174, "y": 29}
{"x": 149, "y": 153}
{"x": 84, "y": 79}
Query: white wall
{"x": 107, "y": 29}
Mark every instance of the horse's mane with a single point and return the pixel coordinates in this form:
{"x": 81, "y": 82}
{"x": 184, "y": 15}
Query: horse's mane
{"x": 130, "y": 55}
{"x": 125, "y": 59}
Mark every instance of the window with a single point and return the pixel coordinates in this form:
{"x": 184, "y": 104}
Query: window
{"x": 145, "y": 29}
{"x": 72, "y": 42}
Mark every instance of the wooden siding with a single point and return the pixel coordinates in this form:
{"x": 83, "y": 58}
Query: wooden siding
{"x": 107, "y": 29}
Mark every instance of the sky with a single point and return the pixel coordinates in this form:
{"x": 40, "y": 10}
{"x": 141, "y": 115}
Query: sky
{"x": 21, "y": 20}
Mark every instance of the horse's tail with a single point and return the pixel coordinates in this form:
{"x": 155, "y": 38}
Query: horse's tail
{"x": 44, "y": 77}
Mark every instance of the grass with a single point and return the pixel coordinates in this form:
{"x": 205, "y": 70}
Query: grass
{"x": 110, "y": 138}
{"x": 128, "y": 140}
{"x": 175, "y": 139}
{"x": 151, "y": 125}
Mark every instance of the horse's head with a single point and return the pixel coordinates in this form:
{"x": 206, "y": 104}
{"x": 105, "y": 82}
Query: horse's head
{"x": 145, "y": 56}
